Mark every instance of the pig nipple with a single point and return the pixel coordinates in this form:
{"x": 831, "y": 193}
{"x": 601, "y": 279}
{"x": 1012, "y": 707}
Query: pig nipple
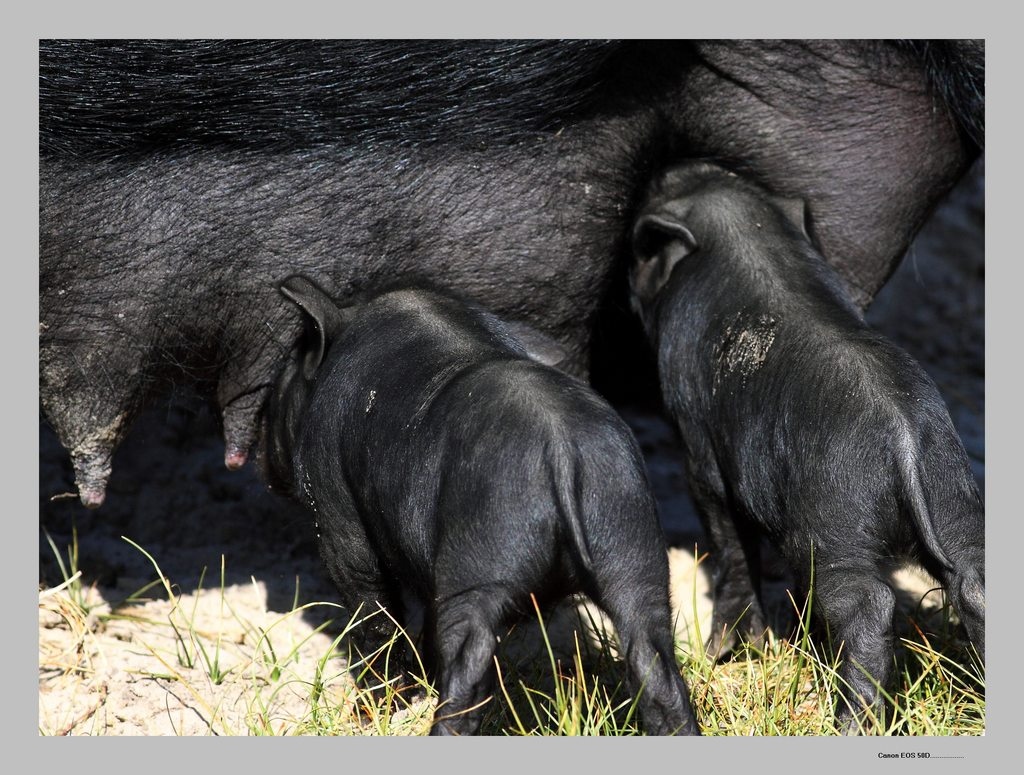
{"x": 92, "y": 497}
{"x": 234, "y": 458}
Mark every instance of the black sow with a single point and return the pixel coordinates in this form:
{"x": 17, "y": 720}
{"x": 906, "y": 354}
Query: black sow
{"x": 801, "y": 422}
{"x": 440, "y": 459}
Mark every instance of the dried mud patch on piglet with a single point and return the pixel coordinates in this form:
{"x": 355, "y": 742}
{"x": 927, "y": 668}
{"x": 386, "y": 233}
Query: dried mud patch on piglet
{"x": 744, "y": 347}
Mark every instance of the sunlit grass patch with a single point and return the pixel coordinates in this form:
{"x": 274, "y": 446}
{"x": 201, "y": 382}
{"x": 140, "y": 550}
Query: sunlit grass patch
{"x": 214, "y": 660}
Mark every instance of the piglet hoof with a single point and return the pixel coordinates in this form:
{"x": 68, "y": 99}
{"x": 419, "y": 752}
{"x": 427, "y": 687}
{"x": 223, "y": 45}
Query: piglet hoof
{"x": 727, "y": 637}
{"x": 849, "y": 724}
{"x": 440, "y": 729}
{"x": 853, "y": 717}
{"x": 453, "y": 726}
{"x": 755, "y": 631}
{"x": 722, "y": 640}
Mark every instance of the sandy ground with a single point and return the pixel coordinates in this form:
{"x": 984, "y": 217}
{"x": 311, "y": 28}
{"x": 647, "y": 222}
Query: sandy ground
{"x": 221, "y": 650}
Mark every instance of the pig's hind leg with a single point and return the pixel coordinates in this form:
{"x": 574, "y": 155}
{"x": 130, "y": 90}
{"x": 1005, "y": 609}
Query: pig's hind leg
{"x": 966, "y": 590}
{"x": 628, "y": 577}
{"x": 465, "y": 628}
{"x": 960, "y": 525}
{"x": 637, "y": 603}
{"x": 964, "y": 584}
{"x": 856, "y": 604}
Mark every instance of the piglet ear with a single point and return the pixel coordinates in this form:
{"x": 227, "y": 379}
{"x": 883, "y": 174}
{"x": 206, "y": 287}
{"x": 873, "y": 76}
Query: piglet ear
{"x": 660, "y": 241}
{"x": 327, "y": 318}
{"x": 796, "y": 212}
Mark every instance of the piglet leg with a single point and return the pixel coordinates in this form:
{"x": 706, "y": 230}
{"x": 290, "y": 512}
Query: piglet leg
{"x": 640, "y": 614}
{"x": 383, "y": 652}
{"x": 737, "y": 609}
{"x": 857, "y": 606}
{"x": 465, "y": 641}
